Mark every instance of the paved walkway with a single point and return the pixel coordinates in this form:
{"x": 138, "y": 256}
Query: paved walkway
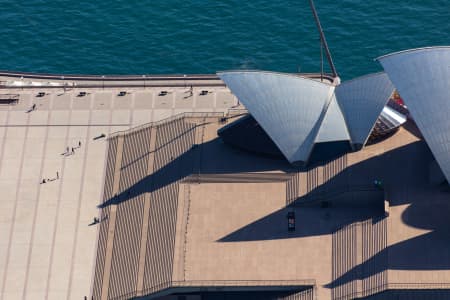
{"x": 47, "y": 249}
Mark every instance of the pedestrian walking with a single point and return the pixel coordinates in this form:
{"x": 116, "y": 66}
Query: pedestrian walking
{"x": 57, "y": 175}
{"x": 79, "y": 143}
{"x": 73, "y": 151}
{"x": 33, "y": 107}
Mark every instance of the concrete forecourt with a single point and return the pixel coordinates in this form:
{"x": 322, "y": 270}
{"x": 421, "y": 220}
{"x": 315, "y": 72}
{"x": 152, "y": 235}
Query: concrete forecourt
{"x": 121, "y": 188}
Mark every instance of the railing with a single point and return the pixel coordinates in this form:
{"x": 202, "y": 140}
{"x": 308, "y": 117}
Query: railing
{"x": 133, "y": 77}
{"x": 23, "y": 80}
{"x": 106, "y": 81}
{"x": 167, "y": 83}
{"x": 219, "y": 283}
{"x": 418, "y": 286}
{"x": 109, "y": 77}
{"x": 395, "y": 286}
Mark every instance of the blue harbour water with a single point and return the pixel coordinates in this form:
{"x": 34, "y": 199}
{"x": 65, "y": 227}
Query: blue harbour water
{"x": 202, "y": 36}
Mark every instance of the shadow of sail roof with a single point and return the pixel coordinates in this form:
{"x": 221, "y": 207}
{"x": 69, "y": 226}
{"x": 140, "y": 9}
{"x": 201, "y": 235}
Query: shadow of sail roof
{"x": 362, "y": 101}
{"x": 289, "y": 108}
{"x": 422, "y": 78}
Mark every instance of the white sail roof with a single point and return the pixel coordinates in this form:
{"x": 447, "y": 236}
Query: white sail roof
{"x": 297, "y": 112}
{"x": 289, "y": 108}
{"x": 333, "y": 127}
{"x": 362, "y": 100}
{"x": 422, "y": 78}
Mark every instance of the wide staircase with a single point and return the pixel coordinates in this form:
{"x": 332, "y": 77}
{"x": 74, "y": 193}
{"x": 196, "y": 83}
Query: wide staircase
{"x": 173, "y": 142}
{"x": 317, "y": 181}
{"x": 360, "y": 259}
{"x": 143, "y": 172}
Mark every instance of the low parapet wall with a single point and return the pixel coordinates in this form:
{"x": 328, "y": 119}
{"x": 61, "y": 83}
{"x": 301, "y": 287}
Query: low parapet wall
{"x": 225, "y": 285}
{"x": 26, "y": 80}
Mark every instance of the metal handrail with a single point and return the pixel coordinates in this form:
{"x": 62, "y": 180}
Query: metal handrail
{"x": 109, "y": 77}
{"x": 394, "y": 286}
{"x": 128, "y": 77}
{"x": 306, "y": 282}
{"x": 224, "y": 283}
{"x": 120, "y": 81}
{"x": 215, "y": 283}
{"x": 137, "y": 84}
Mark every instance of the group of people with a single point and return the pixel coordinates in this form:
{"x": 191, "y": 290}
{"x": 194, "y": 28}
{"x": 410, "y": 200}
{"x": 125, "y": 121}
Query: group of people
{"x": 52, "y": 179}
{"x": 72, "y": 149}
{"x": 45, "y": 180}
{"x": 32, "y": 108}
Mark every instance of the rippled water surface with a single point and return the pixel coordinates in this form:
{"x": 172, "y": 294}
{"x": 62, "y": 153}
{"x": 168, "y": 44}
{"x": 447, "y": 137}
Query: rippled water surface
{"x": 202, "y": 36}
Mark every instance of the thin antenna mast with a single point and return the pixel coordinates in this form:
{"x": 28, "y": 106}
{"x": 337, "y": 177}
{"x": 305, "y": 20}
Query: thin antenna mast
{"x": 321, "y": 61}
{"x": 322, "y": 38}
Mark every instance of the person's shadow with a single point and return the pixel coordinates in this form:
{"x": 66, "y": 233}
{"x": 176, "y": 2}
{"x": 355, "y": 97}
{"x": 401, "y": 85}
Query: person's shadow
{"x": 98, "y": 221}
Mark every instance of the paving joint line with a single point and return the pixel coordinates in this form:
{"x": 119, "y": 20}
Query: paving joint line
{"x": 30, "y": 252}
{"x": 61, "y": 185}
{"x": 1, "y": 159}
{"x": 94, "y": 256}
{"x": 11, "y": 232}
{"x": 109, "y": 253}
{"x": 80, "y": 197}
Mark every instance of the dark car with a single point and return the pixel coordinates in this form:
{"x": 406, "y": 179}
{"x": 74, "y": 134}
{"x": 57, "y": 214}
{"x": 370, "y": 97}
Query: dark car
{"x": 291, "y": 221}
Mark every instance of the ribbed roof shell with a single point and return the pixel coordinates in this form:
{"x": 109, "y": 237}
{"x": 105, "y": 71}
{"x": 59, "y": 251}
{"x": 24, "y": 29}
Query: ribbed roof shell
{"x": 289, "y": 108}
{"x": 333, "y": 126}
{"x": 297, "y": 112}
{"x": 362, "y": 100}
{"x": 422, "y": 77}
